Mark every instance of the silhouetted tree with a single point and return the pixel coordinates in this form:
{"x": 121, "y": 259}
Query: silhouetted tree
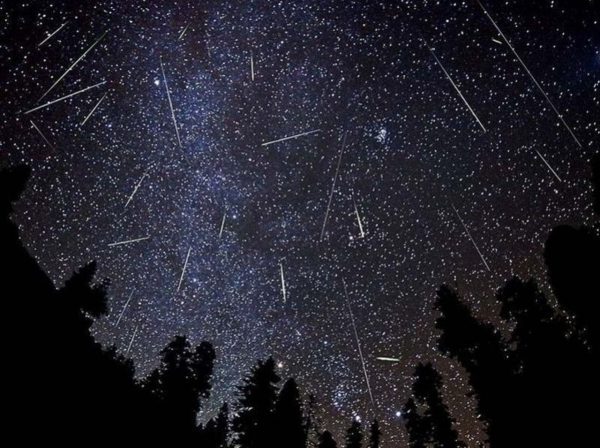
{"x": 216, "y": 432}
{"x": 596, "y": 183}
{"x": 434, "y": 425}
{"x": 375, "y": 435}
{"x": 289, "y": 428}
{"x": 253, "y": 422}
{"x": 182, "y": 379}
{"x": 481, "y": 350}
{"x": 326, "y": 440}
{"x": 354, "y": 435}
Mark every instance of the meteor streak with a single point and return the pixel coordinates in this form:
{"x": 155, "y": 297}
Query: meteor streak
{"x": 124, "y": 308}
{"x": 131, "y": 341}
{"x": 52, "y": 34}
{"x": 135, "y": 189}
{"x": 94, "y": 109}
{"x": 184, "y": 269}
{"x": 223, "y": 223}
{"x": 162, "y": 67}
{"x": 62, "y": 98}
{"x": 283, "y": 290}
{"x": 290, "y": 137}
{"x": 360, "y": 227}
{"x": 252, "y": 65}
{"x": 42, "y": 135}
{"x": 471, "y": 238}
{"x": 337, "y": 170}
{"x": 537, "y": 84}
{"x": 360, "y": 353}
{"x": 119, "y": 243}
{"x": 455, "y": 86}
{"x": 386, "y": 359}
{"x": 548, "y": 165}
{"x": 73, "y": 65}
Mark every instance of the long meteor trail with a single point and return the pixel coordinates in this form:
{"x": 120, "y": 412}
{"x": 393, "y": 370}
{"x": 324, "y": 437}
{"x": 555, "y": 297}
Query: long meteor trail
{"x": 537, "y": 84}
{"x": 283, "y": 289}
{"x": 455, "y": 86}
{"x": 290, "y": 137}
{"x": 131, "y": 341}
{"x": 337, "y": 170}
{"x": 387, "y": 359}
{"x": 222, "y": 223}
{"x": 548, "y": 165}
{"x": 360, "y": 353}
{"x": 41, "y": 135}
{"x": 94, "y": 109}
{"x": 135, "y": 189}
{"x": 62, "y": 98}
{"x": 184, "y": 269}
{"x": 162, "y": 67}
{"x": 360, "y": 226}
{"x": 73, "y": 65}
{"x": 136, "y": 240}
{"x": 471, "y": 238}
{"x": 52, "y": 34}
{"x": 124, "y": 308}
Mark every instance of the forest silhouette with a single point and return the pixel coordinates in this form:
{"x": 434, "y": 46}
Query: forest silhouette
{"x": 532, "y": 372}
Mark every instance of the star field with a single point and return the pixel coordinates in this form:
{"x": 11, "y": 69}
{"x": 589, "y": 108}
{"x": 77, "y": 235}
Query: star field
{"x": 415, "y": 163}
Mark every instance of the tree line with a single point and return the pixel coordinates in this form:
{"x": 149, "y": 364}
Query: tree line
{"x": 531, "y": 372}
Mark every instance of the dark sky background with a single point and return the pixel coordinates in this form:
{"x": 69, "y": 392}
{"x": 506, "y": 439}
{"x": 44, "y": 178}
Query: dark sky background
{"x": 413, "y": 152}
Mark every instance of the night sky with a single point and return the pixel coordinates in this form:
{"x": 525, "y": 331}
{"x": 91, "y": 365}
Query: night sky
{"x": 438, "y": 178}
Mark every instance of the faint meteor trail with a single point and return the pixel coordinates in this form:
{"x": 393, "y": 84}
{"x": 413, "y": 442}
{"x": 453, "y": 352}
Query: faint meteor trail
{"x": 62, "y": 98}
{"x": 360, "y": 353}
{"x": 42, "y": 135}
{"x": 162, "y": 67}
{"x": 73, "y": 65}
{"x": 537, "y": 84}
{"x": 131, "y": 341}
{"x": 337, "y": 170}
{"x": 496, "y": 40}
{"x": 290, "y": 137}
{"x": 184, "y": 269}
{"x": 136, "y": 240}
{"x": 124, "y": 308}
{"x": 183, "y": 32}
{"x": 548, "y": 165}
{"x": 252, "y": 65}
{"x": 455, "y": 86}
{"x": 223, "y": 223}
{"x": 52, "y": 34}
{"x": 135, "y": 189}
{"x": 360, "y": 227}
{"x": 94, "y": 109}
{"x": 283, "y": 290}
{"x": 387, "y": 359}
{"x": 471, "y": 238}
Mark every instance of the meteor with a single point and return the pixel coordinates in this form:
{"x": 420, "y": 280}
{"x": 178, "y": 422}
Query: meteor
{"x": 62, "y": 98}
{"x": 386, "y": 359}
{"x": 184, "y": 269}
{"x": 360, "y": 353}
{"x": 51, "y": 35}
{"x": 252, "y": 65}
{"x": 131, "y": 341}
{"x": 94, "y": 109}
{"x": 162, "y": 67}
{"x": 183, "y": 32}
{"x": 283, "y": 290}
{"x": 119, "y": 243}
{"x": 290, "y": 137}
{"x": 455, "y": 86}
{"x": 73, "y": 65}
{"x": 135, "y": 189}
{"x": 548, "y": 165}
{"x": 124, "y": 308}
{"x": 360, "y": 227}
{"x": 223, "y": 223}
{"x": 537, "y": 84}
{"x": 42, "y": 135}
{"x": 471, "y": 238}
{"x": 337, "y": 170}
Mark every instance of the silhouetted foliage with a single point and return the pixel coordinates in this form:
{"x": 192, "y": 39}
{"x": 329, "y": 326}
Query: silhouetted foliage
{"x": 215, "y": 434}
{"x": 326, "y": 440}
{"x": 375, "y": 435}
{"x": 354, "y": 435}
{"x": 254, "y": 420}
{"x": 427, "y": 418}
{"x": 289, "y": 426}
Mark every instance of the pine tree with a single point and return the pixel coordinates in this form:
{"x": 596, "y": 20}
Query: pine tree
{"x": 216, "y": 432}
{"x": 253, "y": 422}
{"x": 289, "y": 428}
{"x": 354, "y": 435}
{"x": 326, "y": 440}
{"x": 375, "y": 435}
{"x": 433, "y": 426}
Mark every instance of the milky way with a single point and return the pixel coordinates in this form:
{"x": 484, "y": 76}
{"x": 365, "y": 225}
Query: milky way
{"x": 422, "y": 153}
